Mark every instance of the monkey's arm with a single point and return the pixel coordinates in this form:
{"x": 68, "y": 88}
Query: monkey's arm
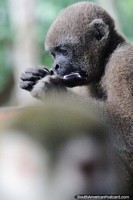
{"x": 118, "y": 79}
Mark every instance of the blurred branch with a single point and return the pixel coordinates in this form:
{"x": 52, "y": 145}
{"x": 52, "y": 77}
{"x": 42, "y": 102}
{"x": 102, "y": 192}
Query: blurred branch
{"x": 6, "y": 91}
{"x": 25, "y": 48}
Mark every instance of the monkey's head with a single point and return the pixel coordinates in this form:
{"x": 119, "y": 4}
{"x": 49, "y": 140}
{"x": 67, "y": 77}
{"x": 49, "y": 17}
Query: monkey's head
{"x": 79, "y": 40}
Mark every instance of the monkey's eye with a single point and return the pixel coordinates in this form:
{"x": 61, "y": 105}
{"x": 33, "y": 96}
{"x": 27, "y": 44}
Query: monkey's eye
{"x": 62, "y": 50}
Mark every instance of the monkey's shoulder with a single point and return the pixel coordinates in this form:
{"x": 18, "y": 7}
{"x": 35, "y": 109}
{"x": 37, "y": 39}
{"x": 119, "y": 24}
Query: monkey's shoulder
{"x": 120, "y": 63}
{"x": 123, "y": 54}
{"x": 118, "y": 74}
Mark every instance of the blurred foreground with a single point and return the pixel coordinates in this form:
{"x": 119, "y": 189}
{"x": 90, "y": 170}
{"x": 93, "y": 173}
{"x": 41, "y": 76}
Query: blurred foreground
{"x": 57, "y": 151}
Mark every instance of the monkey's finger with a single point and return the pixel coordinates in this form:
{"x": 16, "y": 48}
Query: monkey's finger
{"x": 29, "y": 77}
{"x": 38, "y": 71}
{"x": 26, "y": 85}
{"x": 51, "y": 72}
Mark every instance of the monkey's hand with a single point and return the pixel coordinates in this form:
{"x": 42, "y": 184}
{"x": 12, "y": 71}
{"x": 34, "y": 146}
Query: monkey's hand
{"x": 40, "y": 81}
{"x": 56, "y": 83}
{"x": 31, "y": 76}
{"x": 46, "y": 85}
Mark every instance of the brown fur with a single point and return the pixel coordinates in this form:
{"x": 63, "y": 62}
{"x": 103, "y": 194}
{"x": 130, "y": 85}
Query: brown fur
{"x": 118, "y": 83}
{"x": 73, "y": 23}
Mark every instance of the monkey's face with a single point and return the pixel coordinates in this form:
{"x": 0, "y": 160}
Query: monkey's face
{"x": 78, "y": 41}
{"x": 66, "y": 59}
{"x": 63, "y": 57}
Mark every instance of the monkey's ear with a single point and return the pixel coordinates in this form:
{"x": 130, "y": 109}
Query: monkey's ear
{"x": 100, "y": 29}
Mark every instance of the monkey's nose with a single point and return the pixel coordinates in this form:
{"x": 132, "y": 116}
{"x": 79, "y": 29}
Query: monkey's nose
{"x": 57, "y": 67}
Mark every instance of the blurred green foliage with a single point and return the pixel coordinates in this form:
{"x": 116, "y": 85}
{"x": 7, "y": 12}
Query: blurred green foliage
{"x": 46, "y": 12}
{"x": 5, "y": 44}
{"x": 125, "y": 15}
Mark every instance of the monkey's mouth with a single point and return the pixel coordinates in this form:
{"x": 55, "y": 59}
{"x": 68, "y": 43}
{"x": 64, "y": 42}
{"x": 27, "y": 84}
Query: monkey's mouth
{"x": 79, "y": 74}
{"x": 73, "y": 79}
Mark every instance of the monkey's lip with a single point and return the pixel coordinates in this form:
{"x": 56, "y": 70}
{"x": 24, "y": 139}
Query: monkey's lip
{"x": 71, "y": 75}
{"x": 77, "y": 74}
{"x": 73, "y": 79}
